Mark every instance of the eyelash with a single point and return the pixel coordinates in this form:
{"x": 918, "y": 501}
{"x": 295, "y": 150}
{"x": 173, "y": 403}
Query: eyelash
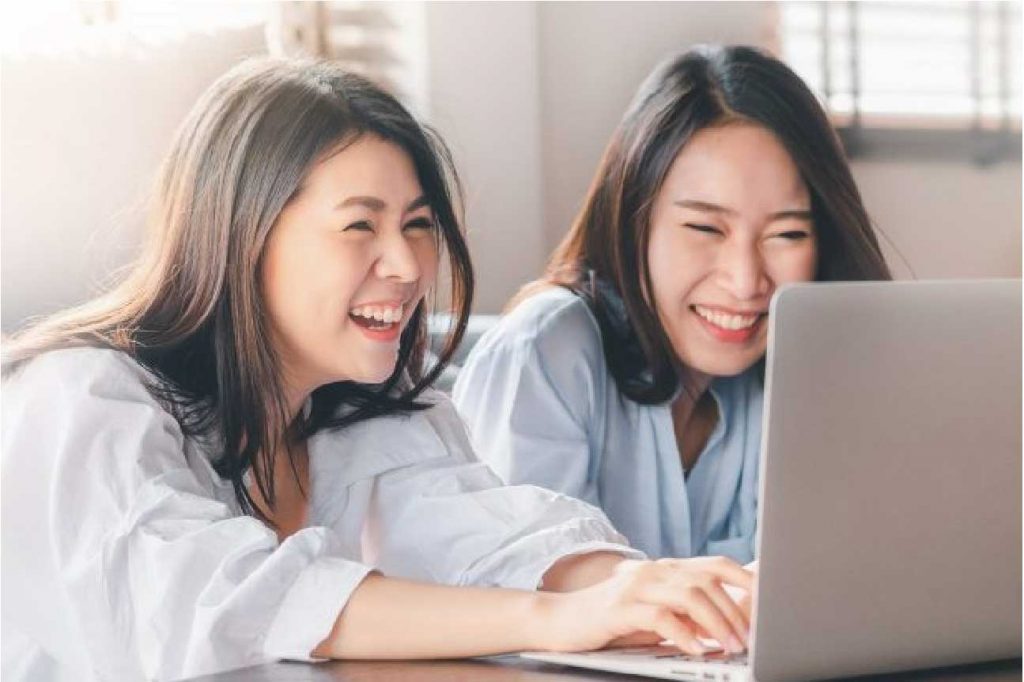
{"x": 416, "y": 223}
{"x": 704, "y": 229}
{"x": 792, "y": 235}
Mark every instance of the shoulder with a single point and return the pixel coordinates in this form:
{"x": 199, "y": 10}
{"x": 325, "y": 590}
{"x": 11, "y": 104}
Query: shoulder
{"x": 552, "y": 323}
{"x": 548, "y": 345}
{"x": 78, "y": 369}
{"x": 82, "y": 384}
{"x": 390, "y": 442}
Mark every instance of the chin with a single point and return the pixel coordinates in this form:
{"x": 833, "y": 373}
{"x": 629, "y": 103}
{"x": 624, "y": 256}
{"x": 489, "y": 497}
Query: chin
{"x": 377, "y": 375}
{"x": 720, "y": 368}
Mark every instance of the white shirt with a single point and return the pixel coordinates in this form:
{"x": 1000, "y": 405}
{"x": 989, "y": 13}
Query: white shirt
{"x": 125, "y": 556}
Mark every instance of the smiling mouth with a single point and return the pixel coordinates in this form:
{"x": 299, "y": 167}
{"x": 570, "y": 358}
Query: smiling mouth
{"x": 727, "y": 321}
{"x": 377, "y": 317}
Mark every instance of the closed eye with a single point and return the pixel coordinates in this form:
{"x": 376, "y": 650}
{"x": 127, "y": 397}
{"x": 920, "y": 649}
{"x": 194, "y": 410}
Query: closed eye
{"x": 706, "y": 229}
{"x": 360, "y": 225}
{"x": 794, "y": 235}
{"x": 420, "y": 224}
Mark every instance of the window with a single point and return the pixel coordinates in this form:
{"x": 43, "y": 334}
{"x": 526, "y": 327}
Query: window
{"x": 385, "y": 41}
{"x": 935, "y": 79}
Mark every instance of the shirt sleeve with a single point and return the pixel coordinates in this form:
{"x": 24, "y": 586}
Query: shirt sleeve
{"x": 530, "y": 393}
{"x": 449, "y": 519}
{"x": 162, "y": 580}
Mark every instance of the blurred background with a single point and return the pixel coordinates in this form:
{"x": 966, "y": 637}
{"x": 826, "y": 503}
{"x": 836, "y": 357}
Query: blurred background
{"x": 926, "y": 96}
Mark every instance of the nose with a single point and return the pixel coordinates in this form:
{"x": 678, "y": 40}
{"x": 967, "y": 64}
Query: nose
{"x": 397, "y": 260}
{"x": 743, "y": 272}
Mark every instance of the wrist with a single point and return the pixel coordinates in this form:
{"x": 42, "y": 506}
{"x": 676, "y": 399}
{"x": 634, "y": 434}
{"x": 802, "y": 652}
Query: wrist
{"x": 542, "y": 626}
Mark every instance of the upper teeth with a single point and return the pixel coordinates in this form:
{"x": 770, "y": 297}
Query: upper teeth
{"x": 724, "y": 320}
{"x": 379, "y": 313}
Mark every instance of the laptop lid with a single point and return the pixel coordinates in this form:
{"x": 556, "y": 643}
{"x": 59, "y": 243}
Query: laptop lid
{"x": 890, "y": 498}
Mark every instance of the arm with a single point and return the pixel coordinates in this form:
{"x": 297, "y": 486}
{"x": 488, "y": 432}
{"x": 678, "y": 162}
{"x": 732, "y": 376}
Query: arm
{"x": 674, "y": 600}
{"x": 503, "y": 537}
{"x": 137, "y": 558}
{"x": 390, "y": 618}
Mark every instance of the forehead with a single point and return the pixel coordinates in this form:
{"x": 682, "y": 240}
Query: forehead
{"x": 367, "y": 164}
{"x": 736, "y": 164}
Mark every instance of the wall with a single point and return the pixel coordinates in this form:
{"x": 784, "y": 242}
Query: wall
{"x": 83, "y": 132}
{"x": 485, "y": 100}
{"x": 526, "y": 95}
{"x": 528, "y": 151}
{"x": 948, "y": 220}
{"x": 594, "y": 56}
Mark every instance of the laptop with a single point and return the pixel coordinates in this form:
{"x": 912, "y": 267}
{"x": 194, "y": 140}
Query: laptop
{"x": 890, "y": 514}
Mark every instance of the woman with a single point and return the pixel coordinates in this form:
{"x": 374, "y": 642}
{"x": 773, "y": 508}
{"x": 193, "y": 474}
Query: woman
{"x": 235, "y": 457}
{"x": 630, "y": 376}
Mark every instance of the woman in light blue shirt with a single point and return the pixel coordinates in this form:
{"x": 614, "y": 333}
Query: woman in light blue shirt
{"x": 630, "y": 376}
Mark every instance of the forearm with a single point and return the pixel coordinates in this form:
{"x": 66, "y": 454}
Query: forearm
{"x": 388, "y": 618}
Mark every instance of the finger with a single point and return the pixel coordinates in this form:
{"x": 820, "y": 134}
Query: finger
{"x": 665, "y": 625}
{"x": 677, "y": 597}
{"x": 638, "y": 638}
{"x": 706, "y": 614}
{"x": 693, "y": 601}
{"x": 747, "y": 605}
{"x": 731, "y": 610}
{"x": 670, "y": 627}
{"x": 722, "y": 568}
{"x": 728, "y": 571}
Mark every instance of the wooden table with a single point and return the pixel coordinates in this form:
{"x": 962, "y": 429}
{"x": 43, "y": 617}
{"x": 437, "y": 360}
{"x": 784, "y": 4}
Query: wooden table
{"x": 515, "y": 669}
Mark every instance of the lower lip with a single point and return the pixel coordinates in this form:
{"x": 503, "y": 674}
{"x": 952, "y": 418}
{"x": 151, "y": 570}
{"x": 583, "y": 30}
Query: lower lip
{"x": 382, "y": 335}
{"x": 731, "y": 335}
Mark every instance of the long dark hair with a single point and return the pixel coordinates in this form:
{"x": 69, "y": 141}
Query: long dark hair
{"x": 603, "y": 258}
{"x": 190, "y": 309}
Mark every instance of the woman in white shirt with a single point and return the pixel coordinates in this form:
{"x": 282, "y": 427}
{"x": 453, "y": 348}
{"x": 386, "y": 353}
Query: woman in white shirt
{"x": 234, "y": 456}
{"x": 630, "y": 376}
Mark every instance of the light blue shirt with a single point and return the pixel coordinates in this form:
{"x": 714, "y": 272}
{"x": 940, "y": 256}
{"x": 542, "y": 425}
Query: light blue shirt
{"x": 544, "y": 409}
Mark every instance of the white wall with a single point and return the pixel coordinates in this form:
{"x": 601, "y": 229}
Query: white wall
{"x": 484, "y": 99}
{"x": 528, "y": 148}
{"x": 948, "y": 220}
{"x": 593, "y": 57}
{"x": 83, "y": 131}
{"x": 526, "y": 95}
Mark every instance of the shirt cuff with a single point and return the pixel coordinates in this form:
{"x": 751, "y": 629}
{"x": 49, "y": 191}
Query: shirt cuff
{"x": 580, "y": 537}
{"x": 311, "y": 607}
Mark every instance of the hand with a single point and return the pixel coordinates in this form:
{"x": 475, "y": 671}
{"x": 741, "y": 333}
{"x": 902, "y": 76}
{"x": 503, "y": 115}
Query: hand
{"x": 644, "y": 602}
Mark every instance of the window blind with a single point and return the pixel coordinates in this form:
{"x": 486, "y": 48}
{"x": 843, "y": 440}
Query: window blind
{"x": 894, "y": 74}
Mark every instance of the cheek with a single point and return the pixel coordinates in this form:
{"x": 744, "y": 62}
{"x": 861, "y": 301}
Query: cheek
{"x": 308, "y": 285}
{"x": 277, "y": 283}
{"x": 793, "y": 265}
{"x": 676, "y": 264}
{"x": 427, "y": 257}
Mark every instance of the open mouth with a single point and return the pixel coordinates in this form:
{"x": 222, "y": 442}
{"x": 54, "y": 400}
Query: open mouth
{"x": 731, "y": 322}
{"x": 729, "y": 327}
{"x": 377, "y": 318}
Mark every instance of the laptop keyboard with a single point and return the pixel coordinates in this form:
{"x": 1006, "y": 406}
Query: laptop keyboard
{"x": 668, "y": 653}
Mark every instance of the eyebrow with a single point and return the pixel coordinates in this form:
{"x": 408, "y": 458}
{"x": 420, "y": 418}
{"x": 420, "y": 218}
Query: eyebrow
{"x": 708, "y": 207}
{"x": 375, "y": 204}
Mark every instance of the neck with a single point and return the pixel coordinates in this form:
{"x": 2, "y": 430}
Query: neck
{"x": 295, "y": 401}
{"x": 296, "y": 393}
{"x": 694, "y": 384}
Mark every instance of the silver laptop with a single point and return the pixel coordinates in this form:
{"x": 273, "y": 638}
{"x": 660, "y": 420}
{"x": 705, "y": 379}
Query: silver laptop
{"x": 890, "y": 515}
